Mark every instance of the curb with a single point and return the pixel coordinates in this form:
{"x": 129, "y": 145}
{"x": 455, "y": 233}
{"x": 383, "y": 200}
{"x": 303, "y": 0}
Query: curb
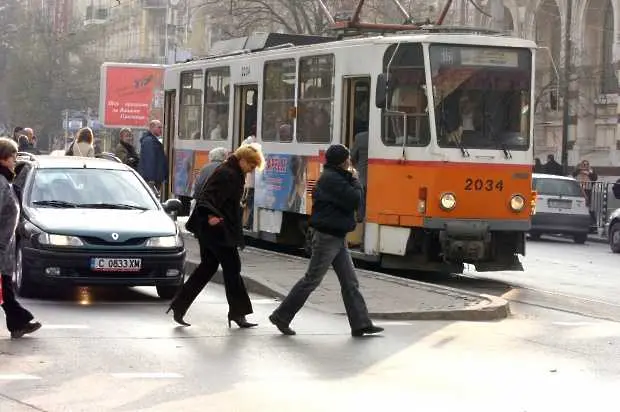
{"x": 490, "y": 308}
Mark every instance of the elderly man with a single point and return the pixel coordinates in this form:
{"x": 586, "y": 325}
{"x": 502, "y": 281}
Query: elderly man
{"x": 153, "y": 164}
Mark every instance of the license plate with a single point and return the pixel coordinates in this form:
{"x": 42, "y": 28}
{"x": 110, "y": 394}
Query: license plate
{"x": 115, "y": 264}
{"x": 561, "y": 204}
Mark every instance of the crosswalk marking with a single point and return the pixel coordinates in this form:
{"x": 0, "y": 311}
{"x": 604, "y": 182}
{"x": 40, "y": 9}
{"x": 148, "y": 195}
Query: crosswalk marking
{"x": 45, "y": 326}
{"x": 146, "y": 375}
{"x": 17, "y": 377}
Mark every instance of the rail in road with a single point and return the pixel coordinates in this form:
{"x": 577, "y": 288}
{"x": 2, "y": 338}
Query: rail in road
{"x": 559, "y": 275}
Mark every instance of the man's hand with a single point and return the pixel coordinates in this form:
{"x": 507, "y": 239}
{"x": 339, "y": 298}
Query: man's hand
{"x": 214, "y": 220}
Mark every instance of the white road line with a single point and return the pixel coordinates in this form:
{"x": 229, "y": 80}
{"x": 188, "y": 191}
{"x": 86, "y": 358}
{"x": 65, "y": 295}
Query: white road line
{"x": 573, "y": 323}
{"x": 45, "y": 326}
{"x": 146, "y": 375}
{"x": 17, "y": 377}
{"x": 393, "y": 323}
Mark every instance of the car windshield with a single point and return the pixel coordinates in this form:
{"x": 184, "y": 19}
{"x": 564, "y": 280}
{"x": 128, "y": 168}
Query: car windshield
{"x": 92, "y": 188}
{"x": 557, "y": 187}
{"x": 482, "y": 96}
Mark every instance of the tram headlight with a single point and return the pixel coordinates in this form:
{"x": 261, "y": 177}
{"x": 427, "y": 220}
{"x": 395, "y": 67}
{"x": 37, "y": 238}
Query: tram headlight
{"x": 447, "y": 201}
{"x": 517, "y": 203}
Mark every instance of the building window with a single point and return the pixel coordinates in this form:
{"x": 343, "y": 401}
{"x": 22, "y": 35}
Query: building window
{"x": 190, "y": 107}
{"x": 217, "y": 102}
{"x": 278, "y": 100}
{"x": 316, "y": 99}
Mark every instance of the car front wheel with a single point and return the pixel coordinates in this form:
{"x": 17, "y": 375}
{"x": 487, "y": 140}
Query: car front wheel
{"x": 23, "y": 286}
{"x": 166, "y": 292}
{"x": 614, "y": 237}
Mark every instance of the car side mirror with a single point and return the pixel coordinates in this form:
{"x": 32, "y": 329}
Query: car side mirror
{"x": 172, "y": 206}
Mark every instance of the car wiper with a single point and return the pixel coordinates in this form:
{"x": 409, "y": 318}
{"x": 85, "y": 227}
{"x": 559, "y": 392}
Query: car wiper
{"x": 110, "y": 206}
{"x": 54, "y": 203}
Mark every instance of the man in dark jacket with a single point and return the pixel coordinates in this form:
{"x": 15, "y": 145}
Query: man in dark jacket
{"x": 552, "y": 167}
{"x": 335, "y": 198}
{"x": 125, "y": 150}
{"x": 153, "y": 165}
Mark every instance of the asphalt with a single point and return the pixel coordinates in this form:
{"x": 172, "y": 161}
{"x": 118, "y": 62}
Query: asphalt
{"x": 114, "y": 349}
{"x": 273, "y": 274}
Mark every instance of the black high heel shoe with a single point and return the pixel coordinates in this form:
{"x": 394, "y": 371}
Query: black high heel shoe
{"x": 178, "y": 317}
{"x": 241, "y": 322}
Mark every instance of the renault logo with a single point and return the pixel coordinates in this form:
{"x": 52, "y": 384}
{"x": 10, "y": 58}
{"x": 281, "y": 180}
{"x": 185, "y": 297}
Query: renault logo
{"x": 115, "y": 236}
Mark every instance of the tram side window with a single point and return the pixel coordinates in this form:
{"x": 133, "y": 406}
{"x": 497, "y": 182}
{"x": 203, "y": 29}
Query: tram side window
{"x": 190, "y": 107}
{"x": 408, "y": 84}
{"x": 278, "y": 100}
{"x": 217, "y": 103}
{"x": 316, "y": 99}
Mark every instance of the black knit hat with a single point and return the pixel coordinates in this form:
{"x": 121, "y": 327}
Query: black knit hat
{"x": 336, "y": 154}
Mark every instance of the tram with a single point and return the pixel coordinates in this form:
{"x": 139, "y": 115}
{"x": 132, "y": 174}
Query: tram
{"x": 443, "y": 120}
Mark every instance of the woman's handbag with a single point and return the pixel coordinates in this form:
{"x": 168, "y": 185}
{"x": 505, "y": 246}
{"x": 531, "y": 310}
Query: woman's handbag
{"x": 195, "y": 221}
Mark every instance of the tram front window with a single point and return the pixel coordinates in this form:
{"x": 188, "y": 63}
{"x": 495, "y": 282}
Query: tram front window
{"x": 482, "y": 96}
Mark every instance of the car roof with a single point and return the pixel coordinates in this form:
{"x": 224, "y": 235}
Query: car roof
{"x": 547, "y": 176}
{"x": 75, "y": 162}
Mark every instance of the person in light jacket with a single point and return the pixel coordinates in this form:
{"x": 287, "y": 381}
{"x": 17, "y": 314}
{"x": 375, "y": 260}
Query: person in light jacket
{"x": 83, "y": 144}
{"x": 18, "y": 320}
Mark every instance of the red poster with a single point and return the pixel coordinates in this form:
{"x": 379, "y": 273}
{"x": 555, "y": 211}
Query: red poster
{"x": 133, "y": 95}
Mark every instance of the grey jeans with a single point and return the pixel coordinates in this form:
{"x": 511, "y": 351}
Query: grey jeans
{"x": 327, "y": 250}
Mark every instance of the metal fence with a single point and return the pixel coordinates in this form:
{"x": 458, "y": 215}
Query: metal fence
{"x": 602, "y": 203}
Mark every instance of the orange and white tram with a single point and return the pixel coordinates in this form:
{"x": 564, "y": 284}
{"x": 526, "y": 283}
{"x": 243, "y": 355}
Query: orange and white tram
{"x": 449, "y": 128}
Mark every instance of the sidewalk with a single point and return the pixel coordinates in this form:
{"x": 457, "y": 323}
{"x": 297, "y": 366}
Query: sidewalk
{"x": 273, "y": 274}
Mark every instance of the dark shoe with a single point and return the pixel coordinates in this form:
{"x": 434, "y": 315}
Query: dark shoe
{"x": 285, "y": 329}
{"x": 29, "y": 328}
{"x": 241, "y": 322}
{"x": 177, "y": 316}
{"x": 368, "y": 330}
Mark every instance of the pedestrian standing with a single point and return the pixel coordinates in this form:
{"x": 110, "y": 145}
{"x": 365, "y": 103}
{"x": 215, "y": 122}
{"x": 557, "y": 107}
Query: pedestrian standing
{"x": 335, "y": 198}
{"x": 83, "y": 144}
{"x": 153, "y": 165}
{"x": 18, "y": 320}
{"x": 125, "y": 150}
{"x": 216, "y": 222}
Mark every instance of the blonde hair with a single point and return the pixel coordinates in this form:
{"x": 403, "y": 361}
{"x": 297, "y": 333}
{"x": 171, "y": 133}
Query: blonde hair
{"x": 252, "y": 153}
{"x": 8, "y": 148}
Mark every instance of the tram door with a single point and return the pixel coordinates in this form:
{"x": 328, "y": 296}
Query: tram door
{"x": 246, "y": 113}
{"x": 170, "y": 98}
{"x": 356, "y": 102}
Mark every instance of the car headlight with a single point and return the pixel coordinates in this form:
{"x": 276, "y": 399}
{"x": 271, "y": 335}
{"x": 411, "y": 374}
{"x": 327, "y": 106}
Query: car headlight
{"x": 165, "y": 241}
{"x": 517, "y": 203}
{"x": 447, "y": 201}
{"x": 59, "y": 240}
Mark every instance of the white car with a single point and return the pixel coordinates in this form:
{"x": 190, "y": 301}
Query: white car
{"x": 560, "y": 208}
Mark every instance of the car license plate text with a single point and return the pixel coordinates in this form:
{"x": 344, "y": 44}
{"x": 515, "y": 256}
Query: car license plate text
{"x": 561, "y": 204}
{"x": 116, "y": 264}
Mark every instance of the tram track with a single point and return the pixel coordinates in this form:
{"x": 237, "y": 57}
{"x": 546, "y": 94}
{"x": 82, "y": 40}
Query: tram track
{"x": 484, "y": 283}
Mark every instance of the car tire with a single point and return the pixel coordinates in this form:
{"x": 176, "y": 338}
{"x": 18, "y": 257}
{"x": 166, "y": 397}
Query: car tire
{"x": 614, "y": 237}
{"x": 166, "y": 292}
{"x": 22, "y": 285}
{"x": 581, "y": 238}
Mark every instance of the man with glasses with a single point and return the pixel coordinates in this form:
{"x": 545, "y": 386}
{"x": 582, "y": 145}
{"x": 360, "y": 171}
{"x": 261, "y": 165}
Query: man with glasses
{"x": 153, "y": 165}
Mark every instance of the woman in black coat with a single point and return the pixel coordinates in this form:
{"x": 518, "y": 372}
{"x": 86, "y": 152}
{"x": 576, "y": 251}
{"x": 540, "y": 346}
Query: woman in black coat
{"x": 217, "y": 223}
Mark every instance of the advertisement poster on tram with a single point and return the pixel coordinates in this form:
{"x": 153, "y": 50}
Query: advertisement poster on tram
{"x": 201, "y": 158}
{"x": 131, "y": 94}
{"x": 282, "y": 184}
{"x": 183, "y": 168}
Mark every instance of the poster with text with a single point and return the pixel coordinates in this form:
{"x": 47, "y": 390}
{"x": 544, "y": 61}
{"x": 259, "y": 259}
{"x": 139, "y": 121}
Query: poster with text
{"x": 282, "y": 184}
{"x": 201, "y": 158}
{"x": 131, "y": 95}
{"x": 183, "y": 167}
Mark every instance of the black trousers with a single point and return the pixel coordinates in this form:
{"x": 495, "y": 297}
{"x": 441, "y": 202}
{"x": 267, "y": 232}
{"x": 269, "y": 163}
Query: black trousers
{"x": 211, "y": 256}
{"x": 16, "y": 316}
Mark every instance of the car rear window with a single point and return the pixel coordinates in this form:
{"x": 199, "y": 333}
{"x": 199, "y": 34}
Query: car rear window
{"x": 557, "y": 187}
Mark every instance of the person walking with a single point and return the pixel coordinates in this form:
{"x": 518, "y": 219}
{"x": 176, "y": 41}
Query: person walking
{"x": 153, "y": 165}
{"x": 335, "y": 198}
{"x": 18, "y": 320}
{"x": 216, "y": 222}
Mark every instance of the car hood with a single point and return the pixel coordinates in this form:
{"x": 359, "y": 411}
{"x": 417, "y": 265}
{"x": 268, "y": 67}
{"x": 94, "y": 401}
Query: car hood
{"x": 103, "y": 222}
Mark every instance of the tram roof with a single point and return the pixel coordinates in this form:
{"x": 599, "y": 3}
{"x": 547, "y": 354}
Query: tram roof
{"x": 261, "y": 43}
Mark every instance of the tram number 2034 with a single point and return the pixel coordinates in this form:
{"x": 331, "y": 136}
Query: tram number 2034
{"x": 488, "y": 185}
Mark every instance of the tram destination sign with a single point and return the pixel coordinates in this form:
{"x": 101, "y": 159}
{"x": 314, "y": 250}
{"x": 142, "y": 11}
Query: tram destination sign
{"x": 472, "y": 56}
